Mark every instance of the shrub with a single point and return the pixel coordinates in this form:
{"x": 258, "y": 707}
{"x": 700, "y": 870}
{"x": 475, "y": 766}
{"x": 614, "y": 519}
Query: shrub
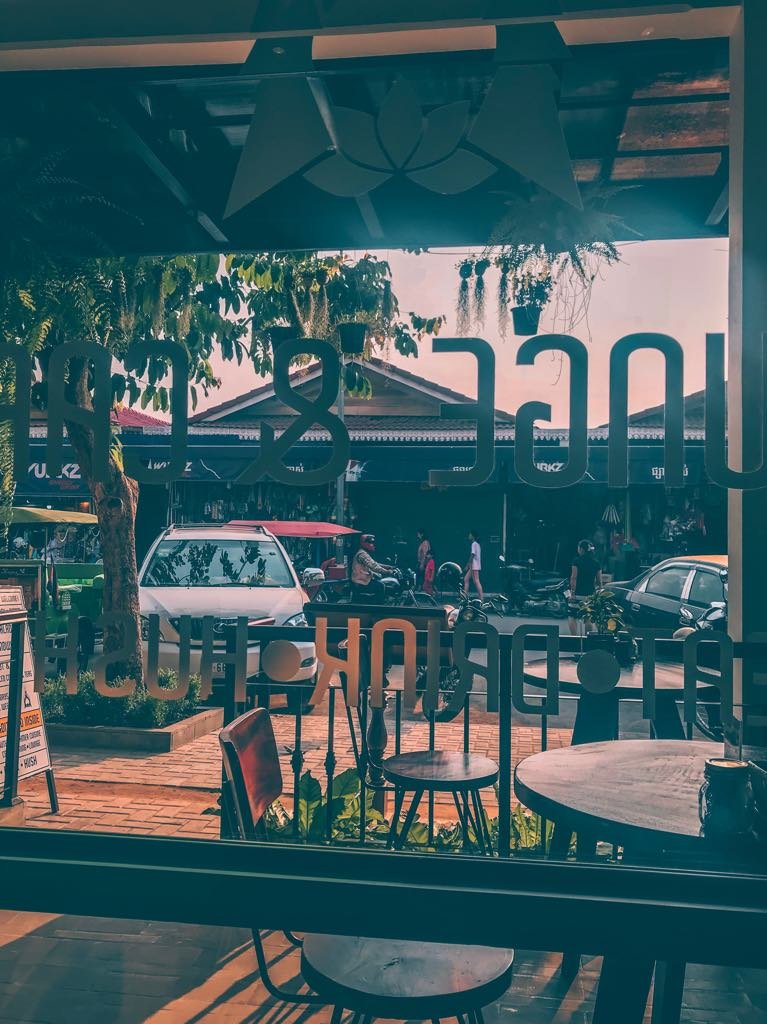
{"x": 139, "y": 710}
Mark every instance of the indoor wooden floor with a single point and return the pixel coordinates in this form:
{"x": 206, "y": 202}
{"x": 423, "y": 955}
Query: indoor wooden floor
{"x": 73, "y": 970}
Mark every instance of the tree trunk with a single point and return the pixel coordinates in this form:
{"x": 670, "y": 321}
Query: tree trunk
{"x": 116, "y": 511}
{"x": 116, "y": 501}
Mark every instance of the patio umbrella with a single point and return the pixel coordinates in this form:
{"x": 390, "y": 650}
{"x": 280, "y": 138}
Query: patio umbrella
{"x": 50, "y": 517}
{"x": 611, "y": 515}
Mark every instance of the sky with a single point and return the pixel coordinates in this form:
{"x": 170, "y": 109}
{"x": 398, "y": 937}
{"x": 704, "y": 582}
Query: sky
{"x": 673, "y": 287}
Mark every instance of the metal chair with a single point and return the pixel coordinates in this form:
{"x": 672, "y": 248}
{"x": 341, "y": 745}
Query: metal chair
{"x": 371, "y": 977}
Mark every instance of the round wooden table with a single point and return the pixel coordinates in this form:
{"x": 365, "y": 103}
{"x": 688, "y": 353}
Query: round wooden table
{"x": 597, "y": 718}
{"x": 641, "y": 793}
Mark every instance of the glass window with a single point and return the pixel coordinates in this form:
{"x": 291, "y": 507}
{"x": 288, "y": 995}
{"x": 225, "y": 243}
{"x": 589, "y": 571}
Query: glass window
{"x": 218, "y": 563}
{"x": 707, "y": 587}
{"x": 668, "y": 582}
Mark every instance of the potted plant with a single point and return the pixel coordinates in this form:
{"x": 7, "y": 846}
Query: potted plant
{"x": 531, "y": 290}
{"x": 546, "y": 250}
{"x": 352, "y": 336}
{"x": 604, "y": 614}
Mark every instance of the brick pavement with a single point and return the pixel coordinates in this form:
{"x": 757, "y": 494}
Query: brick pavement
{"x": 169, "y": 794}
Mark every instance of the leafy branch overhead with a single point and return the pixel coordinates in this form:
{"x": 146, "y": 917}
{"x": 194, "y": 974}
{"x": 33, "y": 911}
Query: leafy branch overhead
{"x": 314, "y": 294}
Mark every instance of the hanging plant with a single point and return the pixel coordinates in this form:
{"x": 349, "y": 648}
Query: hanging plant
{"x": 463, "y": 306}
{"x": 547, "y": 252}
{"x": 504, "y": 267}
{"x": 480, "y": 267}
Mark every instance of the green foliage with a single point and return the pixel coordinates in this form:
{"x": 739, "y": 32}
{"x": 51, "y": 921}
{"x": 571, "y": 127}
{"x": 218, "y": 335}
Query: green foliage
{"x": 603, "y": 612}
{"x": 314, "y": 294}
{"x": 139, "y": 710}
{"x": 546, "y": 250}
{"x": 312, "y": 811}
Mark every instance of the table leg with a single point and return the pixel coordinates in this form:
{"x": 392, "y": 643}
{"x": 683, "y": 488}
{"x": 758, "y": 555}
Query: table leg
{"x": 624, "y": 987}
{"x": 596, "y": 718}
{"x": 401, "y": 839}
{"x": 667, "y": 725}
{"x": 667, "y": 992}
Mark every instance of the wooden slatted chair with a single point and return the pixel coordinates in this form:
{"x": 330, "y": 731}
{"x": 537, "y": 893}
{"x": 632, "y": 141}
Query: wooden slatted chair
{"x": 371, "y": 977}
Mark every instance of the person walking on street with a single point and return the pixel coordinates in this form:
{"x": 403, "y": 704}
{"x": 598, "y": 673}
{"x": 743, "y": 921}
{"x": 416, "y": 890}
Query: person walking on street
{"x": 422, "y": 556}
{"x": 429, "y": 572}
{"x": 474, "y": 565}
{"x": 585, "y": 579}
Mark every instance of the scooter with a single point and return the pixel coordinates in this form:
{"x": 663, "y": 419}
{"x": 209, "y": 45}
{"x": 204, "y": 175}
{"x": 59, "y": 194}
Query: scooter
{"x": 713, "y": 620}
{"x": 527, "y": 593}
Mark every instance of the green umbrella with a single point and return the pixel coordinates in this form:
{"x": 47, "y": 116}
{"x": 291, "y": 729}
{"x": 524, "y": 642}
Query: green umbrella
{"x": 50, "y": 517}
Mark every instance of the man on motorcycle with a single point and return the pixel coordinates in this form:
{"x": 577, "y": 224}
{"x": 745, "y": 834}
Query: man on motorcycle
{"x": 366, "y": 572}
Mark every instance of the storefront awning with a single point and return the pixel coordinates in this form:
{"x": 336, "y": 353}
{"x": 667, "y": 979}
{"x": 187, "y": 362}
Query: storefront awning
{"x": 369, "y": 463}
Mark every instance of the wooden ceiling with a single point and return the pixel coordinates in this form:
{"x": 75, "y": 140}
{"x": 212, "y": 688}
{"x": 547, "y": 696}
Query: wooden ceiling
{"x": 645, "y": 122}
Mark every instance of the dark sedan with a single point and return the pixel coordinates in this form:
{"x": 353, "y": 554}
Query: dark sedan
{"x": 656, "y": 598}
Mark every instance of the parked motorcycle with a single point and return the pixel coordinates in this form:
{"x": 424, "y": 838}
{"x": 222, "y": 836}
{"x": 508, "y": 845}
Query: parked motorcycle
{"x": 468, "y": 609}
{"x": 526, "y": 592}
{"x": 713, "y": 620}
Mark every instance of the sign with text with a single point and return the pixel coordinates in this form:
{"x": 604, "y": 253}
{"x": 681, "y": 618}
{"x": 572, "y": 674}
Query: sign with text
{"x": 34, "y": 755}
{"x": 273, "y": 459}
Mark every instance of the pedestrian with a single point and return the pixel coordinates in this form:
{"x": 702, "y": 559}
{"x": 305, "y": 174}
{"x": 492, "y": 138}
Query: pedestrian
{"x": 474, "y": 565}
{"x": 585, "y": 579}
{"x": 421, "y": 555}
{"x": 430, "y": 571}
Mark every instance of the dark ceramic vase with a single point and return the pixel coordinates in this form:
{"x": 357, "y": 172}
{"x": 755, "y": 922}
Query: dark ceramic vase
{"x": 352, "y": 337}
{"x": 525, "y": 320}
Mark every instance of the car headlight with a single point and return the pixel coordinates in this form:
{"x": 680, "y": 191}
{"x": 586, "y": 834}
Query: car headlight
{"x": 296, "y": 620}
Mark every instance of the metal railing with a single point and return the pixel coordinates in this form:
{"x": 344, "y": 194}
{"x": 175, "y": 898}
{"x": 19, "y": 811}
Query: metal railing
{"x": 375, "y": 732}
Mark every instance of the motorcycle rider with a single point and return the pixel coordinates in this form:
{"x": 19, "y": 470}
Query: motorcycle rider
{"x": 366, "y": 572}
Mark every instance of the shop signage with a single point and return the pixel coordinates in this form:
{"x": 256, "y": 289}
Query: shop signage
{"x": 272, "y": 458}
{"x": 34, "y": 756}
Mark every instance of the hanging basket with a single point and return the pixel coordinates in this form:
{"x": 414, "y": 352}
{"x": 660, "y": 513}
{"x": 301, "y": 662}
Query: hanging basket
{"x": 352, "y": 337}
{"x": 525, "y": 320}
{"x": 279, "y": 334}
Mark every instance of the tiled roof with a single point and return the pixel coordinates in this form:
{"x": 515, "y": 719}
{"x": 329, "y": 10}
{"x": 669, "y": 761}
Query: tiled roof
{"x": 403, "y": 376}
{"x": 134, "y": 418}
{"x": 694, "y": 413}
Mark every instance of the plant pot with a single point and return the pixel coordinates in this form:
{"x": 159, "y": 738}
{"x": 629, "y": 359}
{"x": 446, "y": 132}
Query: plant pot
{"x": 279, "y": 334}
{"x": 599, "y": 642}
{"x": 352, "y": 337}
{"x": 626, "y": 650}
{"x": 525, "y": 320}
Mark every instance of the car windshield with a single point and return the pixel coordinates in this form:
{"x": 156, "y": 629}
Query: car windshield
{"x": 217, "y": 563}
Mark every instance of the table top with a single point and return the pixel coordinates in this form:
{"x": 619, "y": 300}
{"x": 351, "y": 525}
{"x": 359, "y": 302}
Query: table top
{"x": 641, "y": 791}
{"x": 668, "y": 676}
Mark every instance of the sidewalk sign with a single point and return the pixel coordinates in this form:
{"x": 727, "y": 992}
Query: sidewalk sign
{"x": 34, "y": 753}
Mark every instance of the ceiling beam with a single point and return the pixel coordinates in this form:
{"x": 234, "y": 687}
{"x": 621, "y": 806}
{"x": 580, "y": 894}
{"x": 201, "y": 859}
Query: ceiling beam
{"x": 50, "y": 23}
{"x": 126, "y": 121}
{"x": 721, "y": 205}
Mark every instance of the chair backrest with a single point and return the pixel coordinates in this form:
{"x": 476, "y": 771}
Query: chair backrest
{"x": 252, "y": 768}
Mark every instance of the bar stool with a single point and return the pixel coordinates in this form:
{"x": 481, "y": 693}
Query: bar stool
{"x": 463, "y": 775}
{"x": 398, "y": 980}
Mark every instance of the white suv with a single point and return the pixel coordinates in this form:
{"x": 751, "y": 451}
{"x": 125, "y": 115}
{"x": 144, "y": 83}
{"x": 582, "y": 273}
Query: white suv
{"x": 226, "y": 572}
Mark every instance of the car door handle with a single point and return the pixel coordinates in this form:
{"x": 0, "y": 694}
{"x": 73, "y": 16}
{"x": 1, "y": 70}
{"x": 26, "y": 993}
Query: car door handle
{"x": 636, "y": 607}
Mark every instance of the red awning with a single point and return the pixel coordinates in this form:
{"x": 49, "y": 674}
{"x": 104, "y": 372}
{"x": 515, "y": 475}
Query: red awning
{"x": 292, "y": 528}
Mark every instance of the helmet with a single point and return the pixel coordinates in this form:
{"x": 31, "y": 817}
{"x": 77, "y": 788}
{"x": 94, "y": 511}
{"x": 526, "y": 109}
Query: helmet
{"x": 368, "y": 542}
{"x": 449, "y": 576}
